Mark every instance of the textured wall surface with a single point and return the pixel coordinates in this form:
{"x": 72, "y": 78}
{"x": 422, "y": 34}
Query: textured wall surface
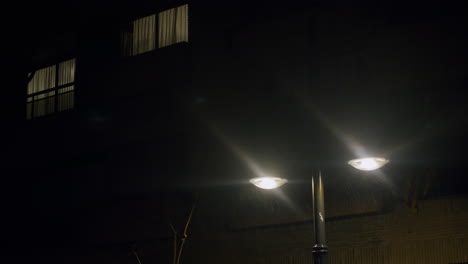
{"x": 437, "y": 233}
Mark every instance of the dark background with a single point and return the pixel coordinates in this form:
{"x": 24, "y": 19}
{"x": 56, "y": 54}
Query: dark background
{"x": 289, "y": 87}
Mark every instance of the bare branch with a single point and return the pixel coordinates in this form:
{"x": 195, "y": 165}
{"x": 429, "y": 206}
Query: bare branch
{"x": 174, "y": 257}
{"x": 185, "y": 230}
{"x": 135, "y": 253}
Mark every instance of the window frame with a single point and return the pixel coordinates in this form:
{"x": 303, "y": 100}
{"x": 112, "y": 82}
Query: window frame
{"x": 127, "y": 37}
{"x": 56, "y": 92}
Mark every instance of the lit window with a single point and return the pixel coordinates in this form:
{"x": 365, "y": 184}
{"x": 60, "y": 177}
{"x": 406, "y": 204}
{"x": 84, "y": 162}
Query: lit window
{"x": 156, "y": 31}
{"x": 51, "y": 89}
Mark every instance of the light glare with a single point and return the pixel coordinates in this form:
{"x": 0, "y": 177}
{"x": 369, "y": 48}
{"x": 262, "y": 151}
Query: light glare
{"x": 368, "y": 164}
{"x": 268, "y": 182}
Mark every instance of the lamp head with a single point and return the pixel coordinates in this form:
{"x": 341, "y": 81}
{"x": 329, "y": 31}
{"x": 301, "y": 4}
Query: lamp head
{"x": 369, "y": 163}
{"x": 268, "y": 182}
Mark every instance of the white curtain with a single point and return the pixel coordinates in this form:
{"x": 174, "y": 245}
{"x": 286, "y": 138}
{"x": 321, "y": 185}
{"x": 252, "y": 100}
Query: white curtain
{"x": 42, "y": 89}
{"x": 144, "y": 34}
{"x": 66, "y": 72}
{"x": 43, "y": 79}
{"x": 66, "y": 77}
{"x": 182, "y": 24}
{"x": 42, "y": 103}
{"x": 173, "y": 26}
{"x": 66, "y": 98}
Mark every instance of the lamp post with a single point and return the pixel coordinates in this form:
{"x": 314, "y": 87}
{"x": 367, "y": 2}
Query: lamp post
{"x": 320, "y": 249}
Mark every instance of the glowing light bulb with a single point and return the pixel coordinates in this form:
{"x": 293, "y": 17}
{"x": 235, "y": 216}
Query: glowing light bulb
{"x": 368, "y": 164}
{"x": 268, "y": 182}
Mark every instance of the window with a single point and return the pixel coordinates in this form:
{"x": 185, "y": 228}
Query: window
{"x": 156, "y": 31}
{"x": 51, "y": 89}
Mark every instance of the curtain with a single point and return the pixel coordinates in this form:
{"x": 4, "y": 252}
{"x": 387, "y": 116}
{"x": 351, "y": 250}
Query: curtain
{"x": 144, "y": 34}
{"x": 173, "y": 26}
{"x": 66, "y": 72}
{"x": 44, "y": 88}
{"x": 43, "y": 79}
{"x": 182, "y": 24}
{"x": 65, "y": 100}
{"x": 66, "y": 77}
{"x": 41, "y": 103}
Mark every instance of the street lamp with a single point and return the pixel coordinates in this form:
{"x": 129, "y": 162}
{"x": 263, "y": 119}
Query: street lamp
{"x": 320, "y": 249}
{"x": 368, "y": 164}
{"x": 268, "y": 182}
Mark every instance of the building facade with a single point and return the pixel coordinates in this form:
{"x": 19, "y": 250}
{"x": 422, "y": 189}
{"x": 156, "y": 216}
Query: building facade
{"x": 140, "y": 124}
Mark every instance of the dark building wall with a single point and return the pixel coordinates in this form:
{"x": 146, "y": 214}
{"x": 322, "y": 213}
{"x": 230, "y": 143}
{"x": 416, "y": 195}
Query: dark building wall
{"x": 124, "y": 138}
{"x": 218, "y": 231}
{"x": 434, "y": 235}
{"x": 283, "y": 88}
{"x": 287, "y": 85}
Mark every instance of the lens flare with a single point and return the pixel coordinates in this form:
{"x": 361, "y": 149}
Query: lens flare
{"x": 268, "y": 182}
{"x": 368, "y": 164}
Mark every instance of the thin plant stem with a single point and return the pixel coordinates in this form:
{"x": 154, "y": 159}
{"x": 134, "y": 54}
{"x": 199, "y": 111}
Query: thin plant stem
{"x": 184, "y": 237}
{"x": 136, "y": 255}
{"x": 174, "y": 257}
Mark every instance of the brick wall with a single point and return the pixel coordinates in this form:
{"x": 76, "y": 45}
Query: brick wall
{"x": 436, "y": 233}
